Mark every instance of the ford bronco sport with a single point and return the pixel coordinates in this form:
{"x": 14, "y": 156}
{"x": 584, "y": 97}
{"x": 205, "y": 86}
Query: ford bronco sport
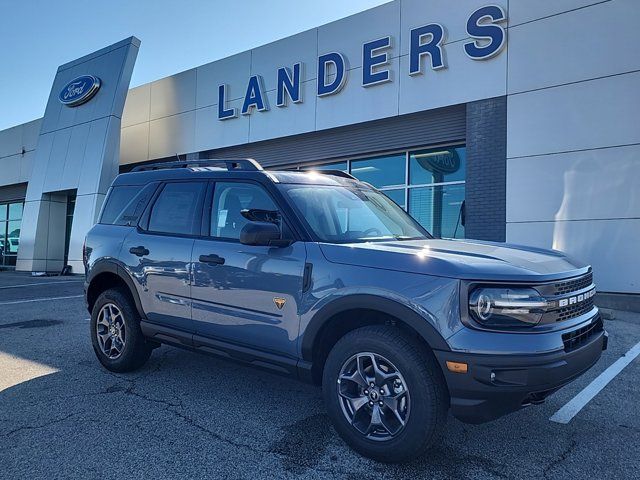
{"x": 321, "y": 277}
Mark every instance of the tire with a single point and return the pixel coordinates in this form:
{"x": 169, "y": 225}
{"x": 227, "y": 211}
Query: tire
{"x": 420, "y": 383}
{"x": 134, "y": 350}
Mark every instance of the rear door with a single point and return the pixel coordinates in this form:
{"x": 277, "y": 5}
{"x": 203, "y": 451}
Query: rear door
{"x": 158, "y": 253}
{"x": 246, "y": 295}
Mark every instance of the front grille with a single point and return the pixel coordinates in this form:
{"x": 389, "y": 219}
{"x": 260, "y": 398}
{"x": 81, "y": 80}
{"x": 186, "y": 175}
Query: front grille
{"x": 581, "y": 336}
{"x": 565, "y": 290}
{"x": 574, "y": 284}
{"x": 573, "y": 311}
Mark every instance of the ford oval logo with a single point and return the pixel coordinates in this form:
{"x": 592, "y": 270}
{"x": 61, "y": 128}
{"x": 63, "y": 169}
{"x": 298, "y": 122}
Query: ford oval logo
{"x": 444, "y": 161}
{"x": 79, "y": 90}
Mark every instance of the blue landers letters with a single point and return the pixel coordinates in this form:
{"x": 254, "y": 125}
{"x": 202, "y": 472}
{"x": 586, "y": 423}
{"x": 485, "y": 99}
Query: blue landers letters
{"x": 432, "y": 47}
{"x": 253, "y": 97}
{"x": 370, "y": 60}
{"x": 224, "y": 114}
{"x": 478, "y": 28}
{"x": 485, "y": 26}
{"x": 288, "y": 85}
{"x": 323, "y": 62}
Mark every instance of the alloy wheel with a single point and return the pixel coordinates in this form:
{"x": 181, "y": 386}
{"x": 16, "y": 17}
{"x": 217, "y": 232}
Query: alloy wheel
{"x": 374, "y": 396}
{"x": 111, "y": 331}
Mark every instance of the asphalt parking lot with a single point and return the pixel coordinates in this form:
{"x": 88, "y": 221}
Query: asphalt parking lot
{"x": 186, "y": 415}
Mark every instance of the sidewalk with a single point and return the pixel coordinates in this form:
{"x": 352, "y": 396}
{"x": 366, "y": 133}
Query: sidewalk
{"x": 10, "y": 278}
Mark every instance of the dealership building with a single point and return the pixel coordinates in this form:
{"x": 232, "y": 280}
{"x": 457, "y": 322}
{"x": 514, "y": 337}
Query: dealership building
{"x": 512, "y": 121}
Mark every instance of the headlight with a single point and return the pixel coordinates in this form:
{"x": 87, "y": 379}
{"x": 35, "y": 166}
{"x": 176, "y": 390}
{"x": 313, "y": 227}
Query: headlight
{"x": 507, "y": 307}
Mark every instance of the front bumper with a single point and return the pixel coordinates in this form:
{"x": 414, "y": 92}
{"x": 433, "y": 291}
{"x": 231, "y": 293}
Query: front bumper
{"x": 495, "y": 385}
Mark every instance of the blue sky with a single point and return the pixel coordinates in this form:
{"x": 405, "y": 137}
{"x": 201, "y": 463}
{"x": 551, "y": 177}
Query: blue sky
{"x": 36, "y": 36}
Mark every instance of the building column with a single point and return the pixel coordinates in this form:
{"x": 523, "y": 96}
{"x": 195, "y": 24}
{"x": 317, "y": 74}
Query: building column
{"x": 486, "y": 184}
{"x": 77, "y": 153}
{"x": 42, "y": 234}
{"x": 85, "y": 216}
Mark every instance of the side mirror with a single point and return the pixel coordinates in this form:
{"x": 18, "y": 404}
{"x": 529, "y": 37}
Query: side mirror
{"x": 264, "y": 234}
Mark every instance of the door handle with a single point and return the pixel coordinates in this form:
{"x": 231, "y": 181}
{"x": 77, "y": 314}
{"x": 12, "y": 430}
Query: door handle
{"x": 139, "y": 251}
{"x": 212, "y": 258}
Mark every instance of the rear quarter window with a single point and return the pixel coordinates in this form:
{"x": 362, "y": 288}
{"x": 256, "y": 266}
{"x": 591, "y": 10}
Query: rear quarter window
{"x": 124, "y": 204}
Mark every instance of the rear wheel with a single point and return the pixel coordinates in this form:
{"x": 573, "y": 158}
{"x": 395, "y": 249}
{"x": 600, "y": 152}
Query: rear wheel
{"x": 116, "y": 336}
{"x": 385, "y": 394}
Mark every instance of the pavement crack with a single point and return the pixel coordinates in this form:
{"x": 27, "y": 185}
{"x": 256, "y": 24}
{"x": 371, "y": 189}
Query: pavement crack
{"x": 215, "y": 435}
{"x": 130, "y": 390}
{"x": 564, "y": 455}
{"x": 176, "y": 407}
{"x": 629, "y": 427}
{"x": 35, "y": 427}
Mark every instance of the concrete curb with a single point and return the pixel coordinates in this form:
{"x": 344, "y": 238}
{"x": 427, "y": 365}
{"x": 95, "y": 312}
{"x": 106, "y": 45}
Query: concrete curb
{"x": 619, "y": 301}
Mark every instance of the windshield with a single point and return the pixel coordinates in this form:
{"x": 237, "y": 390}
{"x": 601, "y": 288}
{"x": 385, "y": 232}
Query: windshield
{"x": 341, "y": 214}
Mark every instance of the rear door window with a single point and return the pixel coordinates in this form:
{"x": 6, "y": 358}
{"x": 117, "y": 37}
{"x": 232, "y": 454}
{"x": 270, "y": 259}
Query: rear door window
{"x": 176, "y": 210}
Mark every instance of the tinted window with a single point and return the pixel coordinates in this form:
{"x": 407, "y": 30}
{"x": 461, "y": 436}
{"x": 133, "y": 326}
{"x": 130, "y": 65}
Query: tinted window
{"x": 229, "y": 200}
{"x": 381, "y": 171}
{"x": 437, "y": 166}
{"x": 175, "y": 210}
{"x": 125, "y": 204}
{"x": 118, "y": 199}
{"x": 438, "y": 209}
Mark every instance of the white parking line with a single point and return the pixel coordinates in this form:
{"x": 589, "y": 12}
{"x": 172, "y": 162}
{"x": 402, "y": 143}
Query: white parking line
{"x": 40, "y": 300}
{"x": 571, "y": 408}
{"x": 42, "y": 283}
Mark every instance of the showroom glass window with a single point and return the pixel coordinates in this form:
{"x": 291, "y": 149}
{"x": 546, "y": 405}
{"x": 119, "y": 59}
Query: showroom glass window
{"x": 10, "y": 220}
{"x": 428, "y": 183}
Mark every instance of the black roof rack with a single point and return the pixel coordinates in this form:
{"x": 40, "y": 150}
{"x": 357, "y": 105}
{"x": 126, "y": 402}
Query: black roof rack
{"x": 336, "y": 173}
{"x": 248, "y": 164}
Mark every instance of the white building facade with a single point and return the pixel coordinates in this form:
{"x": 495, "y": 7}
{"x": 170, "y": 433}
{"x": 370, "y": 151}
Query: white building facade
{"x": 507, "y": 121}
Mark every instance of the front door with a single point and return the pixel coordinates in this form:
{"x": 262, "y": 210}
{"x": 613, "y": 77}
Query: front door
{"x": 246, "y": 295}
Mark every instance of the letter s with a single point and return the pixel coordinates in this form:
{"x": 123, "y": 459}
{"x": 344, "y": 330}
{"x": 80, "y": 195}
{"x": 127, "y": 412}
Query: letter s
{"x": 478, "y": 28}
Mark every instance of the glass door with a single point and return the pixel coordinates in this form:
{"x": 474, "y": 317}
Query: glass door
{"x": 10, "y": 221}
{"x": 71, "y": 205}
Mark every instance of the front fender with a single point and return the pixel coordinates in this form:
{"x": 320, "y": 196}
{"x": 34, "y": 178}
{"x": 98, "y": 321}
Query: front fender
{"x": 371, "y": 302}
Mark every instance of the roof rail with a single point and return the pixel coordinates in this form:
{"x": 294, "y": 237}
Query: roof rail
{"x": 248, "y": 164}
{"x": 336, "y": 173}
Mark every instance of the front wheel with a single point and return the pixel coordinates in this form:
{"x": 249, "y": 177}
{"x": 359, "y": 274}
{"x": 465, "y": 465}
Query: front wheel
{"x": 385, "y": 394}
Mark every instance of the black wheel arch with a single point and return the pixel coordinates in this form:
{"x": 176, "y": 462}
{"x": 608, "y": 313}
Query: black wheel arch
{"x": 388, "y": 307}
{"x": 108, "y": 272}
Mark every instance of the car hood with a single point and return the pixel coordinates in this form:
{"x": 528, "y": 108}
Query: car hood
{"x": 463, "y": 259}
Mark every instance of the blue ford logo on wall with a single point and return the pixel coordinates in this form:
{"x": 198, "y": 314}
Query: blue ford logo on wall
{"x": 79, "y": 90}
{"x": 445, "y": 161}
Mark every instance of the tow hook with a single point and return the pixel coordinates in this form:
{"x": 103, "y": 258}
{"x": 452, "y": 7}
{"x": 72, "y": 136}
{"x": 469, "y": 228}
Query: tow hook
{"x": 534, "y": 399}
